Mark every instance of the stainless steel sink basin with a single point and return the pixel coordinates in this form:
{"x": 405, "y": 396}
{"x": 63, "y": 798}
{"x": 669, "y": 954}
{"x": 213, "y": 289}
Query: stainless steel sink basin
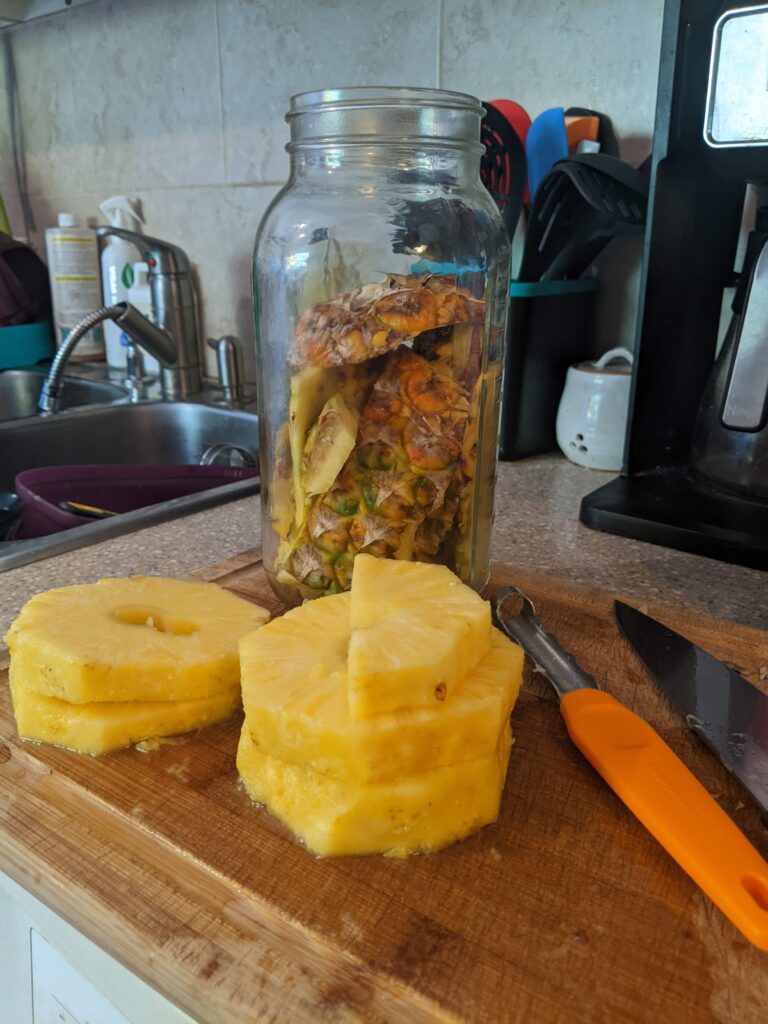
{"x": 20, "y": 390}
{"x": 151, "y": 433}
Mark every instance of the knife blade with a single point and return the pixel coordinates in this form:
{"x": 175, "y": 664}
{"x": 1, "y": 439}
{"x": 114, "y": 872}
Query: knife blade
{"x": 728, "y": 713}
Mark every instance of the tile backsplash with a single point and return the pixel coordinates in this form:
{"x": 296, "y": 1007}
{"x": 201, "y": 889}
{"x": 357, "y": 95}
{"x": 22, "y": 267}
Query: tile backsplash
{"x": 181, "y": 103}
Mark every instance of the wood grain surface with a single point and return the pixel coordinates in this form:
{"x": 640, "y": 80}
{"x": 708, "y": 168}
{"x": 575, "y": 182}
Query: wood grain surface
{"x": 565, "y": 910}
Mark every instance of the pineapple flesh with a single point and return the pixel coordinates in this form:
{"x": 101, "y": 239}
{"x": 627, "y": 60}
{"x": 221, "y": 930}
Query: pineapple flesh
{"x": 96, "y": 667}
{"x": 418, "y": 813}
{"x": 294, "y": 679}
{"x": 100, "y": 727}
{"x": 136, "y": 639}
{"x": 417, "y": 630}
{"x": 416, "y": 771}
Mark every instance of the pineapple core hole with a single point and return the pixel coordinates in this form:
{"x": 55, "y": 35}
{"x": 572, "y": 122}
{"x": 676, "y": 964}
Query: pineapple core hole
{"x": 140, "y": 615}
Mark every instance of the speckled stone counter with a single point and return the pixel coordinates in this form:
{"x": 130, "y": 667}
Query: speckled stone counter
{"x": 536, "y": 528}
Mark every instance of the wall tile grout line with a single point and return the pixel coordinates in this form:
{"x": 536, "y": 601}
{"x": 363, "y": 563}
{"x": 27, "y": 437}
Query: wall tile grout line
{"x": 149, "y": 189}
{"x": 439, "y": 68}
{"x": 222, "y": 112}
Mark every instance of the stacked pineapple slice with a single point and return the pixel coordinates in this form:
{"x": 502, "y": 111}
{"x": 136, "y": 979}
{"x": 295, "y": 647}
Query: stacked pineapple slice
{"x": 378, "y": 720}
{"x": 96, "y": 667}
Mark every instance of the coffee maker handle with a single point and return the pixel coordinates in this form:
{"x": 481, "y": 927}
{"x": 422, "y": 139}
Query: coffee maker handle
{"x": 745, "y": 402}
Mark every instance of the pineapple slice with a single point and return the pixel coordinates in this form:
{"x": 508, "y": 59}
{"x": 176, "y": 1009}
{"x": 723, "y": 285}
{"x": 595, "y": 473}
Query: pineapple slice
{"x": 416, "y": 631}
{"x": 294, "y": 680}
{"x": 138, "y": 639}
{"x": 416, "y": 814}
{"x": 99, "y": 727}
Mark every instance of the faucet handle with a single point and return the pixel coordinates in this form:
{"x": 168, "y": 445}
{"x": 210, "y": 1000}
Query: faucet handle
{"x": 229, "y": 360}
{"x": 162, "y": 257}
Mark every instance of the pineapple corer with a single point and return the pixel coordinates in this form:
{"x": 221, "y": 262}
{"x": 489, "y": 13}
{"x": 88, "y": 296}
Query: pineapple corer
{"x": 649, "y": 777}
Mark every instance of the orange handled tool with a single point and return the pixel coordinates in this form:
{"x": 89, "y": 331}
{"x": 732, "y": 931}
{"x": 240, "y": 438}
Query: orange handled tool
{"x": 650, "y": 778}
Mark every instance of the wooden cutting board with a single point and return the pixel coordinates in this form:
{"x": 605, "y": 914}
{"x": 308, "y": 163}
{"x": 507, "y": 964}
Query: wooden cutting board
{"x": 565, "y": 910}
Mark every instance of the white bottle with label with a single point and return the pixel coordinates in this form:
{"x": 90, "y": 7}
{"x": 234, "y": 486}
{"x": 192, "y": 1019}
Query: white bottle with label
{"x": 73, "y": 267}
{"x": 140, "y": 296}
{"x": 117, "y": 260}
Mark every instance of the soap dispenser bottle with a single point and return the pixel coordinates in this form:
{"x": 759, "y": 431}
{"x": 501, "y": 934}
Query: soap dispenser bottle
{"x": 73, "y": 266}
{"x": 117, "y": 275}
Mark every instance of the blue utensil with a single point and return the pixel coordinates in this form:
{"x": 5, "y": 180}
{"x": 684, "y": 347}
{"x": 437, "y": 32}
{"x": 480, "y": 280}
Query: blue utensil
{"x": 546, "y": 143}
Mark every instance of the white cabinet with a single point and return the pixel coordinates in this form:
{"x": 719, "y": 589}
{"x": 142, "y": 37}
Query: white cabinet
{"x": 51, "y": 974}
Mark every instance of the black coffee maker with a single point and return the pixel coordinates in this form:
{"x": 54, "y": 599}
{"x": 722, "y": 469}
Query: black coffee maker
{"x": 695, "y": 473}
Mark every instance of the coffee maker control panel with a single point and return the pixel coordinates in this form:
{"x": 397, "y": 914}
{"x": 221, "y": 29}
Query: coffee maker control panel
{"x": 737, "y": 93}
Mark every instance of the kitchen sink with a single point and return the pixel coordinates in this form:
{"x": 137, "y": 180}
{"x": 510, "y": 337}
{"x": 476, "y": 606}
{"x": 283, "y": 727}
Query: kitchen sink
{"x": 142, "y": 434}
{"x": 20, "y": 390}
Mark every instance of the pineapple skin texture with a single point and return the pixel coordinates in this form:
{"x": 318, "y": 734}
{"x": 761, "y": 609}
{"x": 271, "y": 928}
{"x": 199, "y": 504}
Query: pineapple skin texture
{"x": 392, "y": 666}
{"x": 420, "y": 813}
{"x": 101, "y": 727}
{"x": 296, "y": 709}
{"x": 84, "y": 644}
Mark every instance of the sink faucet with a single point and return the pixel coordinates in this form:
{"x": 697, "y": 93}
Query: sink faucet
{"x": 141, "y": 330}
{"x": 174, "y": 340}
{"x": 175, "y": 310}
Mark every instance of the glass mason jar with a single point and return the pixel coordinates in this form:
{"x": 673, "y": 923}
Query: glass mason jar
{"x": 381, "y": 274}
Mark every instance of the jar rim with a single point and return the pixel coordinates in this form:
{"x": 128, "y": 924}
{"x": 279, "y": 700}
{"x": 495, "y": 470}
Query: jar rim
{"x": 374, "y": 116}
{"x": 361, "y": 96}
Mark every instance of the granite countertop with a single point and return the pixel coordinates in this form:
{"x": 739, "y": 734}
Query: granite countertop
{"x": 536, "y": 528}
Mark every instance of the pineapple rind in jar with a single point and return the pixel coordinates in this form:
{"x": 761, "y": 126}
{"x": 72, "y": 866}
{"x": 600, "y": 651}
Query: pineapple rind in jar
{"x": 310, "y": 390}
{"x": 280, "y": 495}
{"x": 294, "y": 682}
{"x": 420, "y": 813}
{"x": 357, "y": 326}
{"x": 399, "y": 492}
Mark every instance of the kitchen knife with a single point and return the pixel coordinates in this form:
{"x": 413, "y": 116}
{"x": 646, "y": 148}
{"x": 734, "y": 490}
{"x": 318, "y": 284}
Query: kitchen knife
{"x": 649, "y": 777}
{"x": 719, "y": 705}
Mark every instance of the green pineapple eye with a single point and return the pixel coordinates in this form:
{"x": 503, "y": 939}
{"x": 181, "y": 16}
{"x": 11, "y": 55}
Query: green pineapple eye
{"x": 370, "y": 495}
{"x": 346, "y": 506}
{"x": 424, "y": 492}
{"x": 316, "y": 580}
{"x": 375, "y": 456}
{"x": 329, "y": 544}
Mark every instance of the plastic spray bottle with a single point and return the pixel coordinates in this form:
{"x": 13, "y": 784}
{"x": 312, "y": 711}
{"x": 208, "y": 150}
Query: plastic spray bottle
{"x": 117, "y": 259}
{"x": 73, "y": 266}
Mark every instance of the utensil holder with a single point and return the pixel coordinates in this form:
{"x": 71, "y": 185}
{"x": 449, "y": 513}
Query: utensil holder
{"x": 25, "y": 344}
{"x": 551, "y": 326}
